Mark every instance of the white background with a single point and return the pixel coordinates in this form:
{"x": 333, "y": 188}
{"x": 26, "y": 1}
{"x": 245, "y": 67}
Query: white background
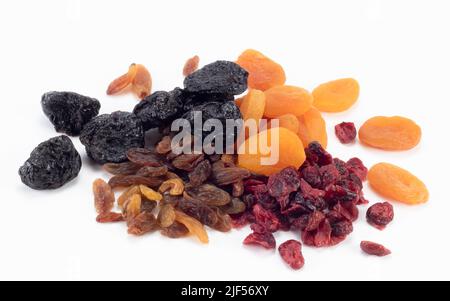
{"x": 398, "y": 50}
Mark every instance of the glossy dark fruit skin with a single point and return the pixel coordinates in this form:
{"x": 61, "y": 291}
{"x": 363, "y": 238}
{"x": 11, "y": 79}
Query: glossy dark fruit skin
{"x": 220, "y": 77}
{"x": 52, "y": 164}
{"x": 191, "y": 100}
{"x": 159, "y": 109}
{"x": 69, "y": 111}
{"x": 108, "y": 137}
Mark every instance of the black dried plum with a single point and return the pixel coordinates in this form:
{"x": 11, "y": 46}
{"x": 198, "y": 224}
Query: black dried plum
{"x": 69, "y": 111}
{"x": 159, "y": 109}
{"x": 52, "y": 164}
{"x": 191, "y": 100}
{"x": 108, "y": 137}
{"x": 220, "y": 77}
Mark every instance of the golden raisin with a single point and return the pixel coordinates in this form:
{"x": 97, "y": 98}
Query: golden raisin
{"x": 122, "y": 82}
{"x": 194, "y": 226}
{"x": 103, "y": 196}
{"x": 390, "y": 133}
{"x": 282, "y": 100}
{"x": 253, "y": 104}
{"x": 312, "y": 127}
{"x": 142, "y": 82}
{"x": 166, "y": 216}
{"x": 132, "y": 206}
{"x": 289, "y": 121}
{"x": 263, "y": 72}
{"x": 149, "y": 193}
{"x": 175, "y": 186}
{"x": 337, "y": 95}
{"x": 191, "y": 65}
{"x": 256, "y": 158}
{"x": 397, "y": 183}
{"x": 126, "y": 194}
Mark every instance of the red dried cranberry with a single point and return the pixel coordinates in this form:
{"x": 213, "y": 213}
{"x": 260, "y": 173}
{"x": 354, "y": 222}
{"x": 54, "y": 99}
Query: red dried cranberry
{"x": 314, "y": 221}
{"x": 341, "y": 166}
{"x": 372, "y": 248}
{"x": 309, "y": 192}
{"x": 323, "y": 235}
{"x": 300, "y": 223}
{"x": 265, "y": 240}
{"x": 291, "y": 252}
{"x": 380, "y": 214}
{"x": 348, "y": 210}
{"x": 266, "y": 218}
{"x": 311, "y": 174}
{"x": 342, "y": 228}
{"x": 356, "y": 166}
{"x": 346, "y": 132}
{"x": 336, "y": 193}
{"x": 329, "y": 174}
{"x": 315, "y": 153}
{"x": 241, "y": 220}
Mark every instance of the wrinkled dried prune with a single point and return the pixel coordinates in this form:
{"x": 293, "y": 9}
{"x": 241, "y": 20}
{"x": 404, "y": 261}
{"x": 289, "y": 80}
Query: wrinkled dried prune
{"x": 160, "y": 108}
{"x": 52, "y": 164}
{"x": 191, "y": 100}
{"x": 69, "y": 111}
{"x": 221, "y": 77}
{"x": 380, "y": 214}
{"x": 108, "y": 137}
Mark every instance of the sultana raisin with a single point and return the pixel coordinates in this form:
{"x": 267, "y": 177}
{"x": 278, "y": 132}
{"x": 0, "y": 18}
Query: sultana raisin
{"x": 151, "y": 171}
{"x": 290, "y": 122}
{"x": 142, "y": 82}
{"x": 187, "y": 162}
{"x": 372, "y": 248}
{"x": 337, "y": 95}
{"x": 194, "y": 226}
{"x": 127, "y": 181}
{"x": 200, "y": 173}
{"x": 223, "y": 176}
{"x": 148, "y": 205}
{"x": 164, "y": 146}
{"x": 143, "y": 156}
{"x": 291, "y": 252}
{"x": 282, "y": 100}
{"x": 397, "y": 183}
{"x": 166, "y": 216}
{"x": 109, "y": 217}
{"x": 143, "y": 223}
{"x": 191, "y": 65}
{"x": 263, "y": 72}
{"x": 103, "y": 196}
{"x": 176, "y": 230}
{"x": 290, "y": 151}
{"x": 123, "y": 81}
{"x": 127, "y": 194}
{"x": 236, "y": 206}
{"x": 253, "y": 105}
{"x": 208, "y": 194}
{"x": 149, "y": 193}
{"x": 238, "y": 188}
{"x": 174, "y": 186}
{"x": 390, "y": 133}
{"x": 345, "y": 132}
{"x": 312, "y": 127}
{"x": 132, "y": 206}
{"x": 123, "y": 169}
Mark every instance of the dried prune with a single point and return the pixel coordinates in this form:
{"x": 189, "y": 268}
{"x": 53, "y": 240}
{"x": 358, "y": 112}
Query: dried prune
{"x": 51, "y": 164}
{"x": 122, "y": 169}
{"x": 103, "y": 196}
{"x": 200, "y": 173}
{"x": 291, "y": 252}
{"x": 346, "y": 132}
{"x": 191, "y": 65}
{"x": 380, "y": 214}
{"x": 69, "y": 111}
{"x": 108, "y": 137}
{"x": 143, "y": 223}
{"x": 176, "y": 230}
{"x": 208, "y": 194}
{"x": 127, "y": 181}
{"x": 219, "y": 77}
{"x": 372, "y": 248}
{"x": 191, "y": 100}
{"x": 265, "y": 240}
{"x": 160, "y": 108}
{"x": 143, "y": 156}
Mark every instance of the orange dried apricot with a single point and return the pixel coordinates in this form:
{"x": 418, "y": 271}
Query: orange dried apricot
{"x": 289, "y": 121}
{"x": 256, "y": 157}
{"x": 263, "y": 72}
{"x": 312, "y": 127}
{"x": 238, "y": 101}
{"x": 337, "y": 95}
{"x": 397, "y": 183}
{"x": 282, "y": 100}
{"x": 390, "y": 133}
{"x": 253, "y": 105}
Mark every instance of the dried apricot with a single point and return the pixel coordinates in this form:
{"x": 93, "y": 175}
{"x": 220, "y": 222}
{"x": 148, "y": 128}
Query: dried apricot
{"x": 282, "y": 100}
{"x": 253, "y": 104}
{"x": 390, "y": 133}
{"x": 289, "y": 121}
{"x": 397, "y": 183}
{"x": 254, "y": 156}
{"x": 312, "y": 127}
{"x": 263, "y": 72}
{"x": 194, "y": 226}
{"x": 337, "y": 95}
{"x": 238, "y": 101}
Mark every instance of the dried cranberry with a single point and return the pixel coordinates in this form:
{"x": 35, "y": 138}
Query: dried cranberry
{"x": 323, "y": 235}
{"x": 348, "y": 210}
{"x": 380, "y": 214}
{"x": 315, "y": 153}
{"x": 284, "y": 182}
{"x": 266, "y": 218}
{"x": 372, "y": 248}
{"x": 346, "y": 132}
{"x": 311, "y": 174}
{"x": 356, "y": 166}
{"x": 309, "y": 192}
{"x": 265, "y": 240}
{"x": 241, "y": 220}
{"x": 342, "y": 228}
{"x": 291, "y": 252}
{"x": 336, "y": 193}
{"x": 329, "y": 174}
{"x": 340, "y": 166}
{"x": 314, "y": 221}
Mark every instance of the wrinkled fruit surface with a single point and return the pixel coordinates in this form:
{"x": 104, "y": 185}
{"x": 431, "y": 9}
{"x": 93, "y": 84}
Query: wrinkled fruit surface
{"x": 336, "y": 96}
{"x": 253, "y": 105}
{"x": 69, "y": 111}
{"x": 138, "y": 77}
{"x": 372, "y": 248}
{"x": 282, "y": 100}
{"x": 312, "y": 127}
{"x": 108, "y": 137}
{"x": 346, "y": 132}
{"x": 390, "y": 133}
{"x": 291, "y": 252}
{"x": 380, "y": 214}
{"x": 264, "y": 73}
{"x": 397, "y": 183}
{"x": 51, "y": 164}
{"x": 191, "y": 65}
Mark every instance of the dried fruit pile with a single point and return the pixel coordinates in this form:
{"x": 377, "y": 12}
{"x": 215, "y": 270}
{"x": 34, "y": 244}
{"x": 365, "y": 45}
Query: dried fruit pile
{"x": 305, "y": 191}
